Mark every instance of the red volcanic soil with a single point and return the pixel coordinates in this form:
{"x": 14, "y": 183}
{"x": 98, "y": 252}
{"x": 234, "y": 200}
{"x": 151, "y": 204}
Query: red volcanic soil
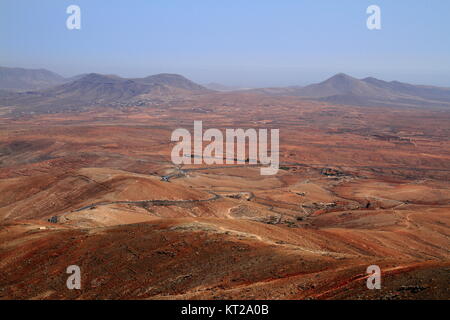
{"x": 356, "y": 187}
{"x": 209, "y": 259}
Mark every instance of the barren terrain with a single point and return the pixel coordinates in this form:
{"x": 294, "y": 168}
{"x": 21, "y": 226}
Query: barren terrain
{"x": 357, "y": 186}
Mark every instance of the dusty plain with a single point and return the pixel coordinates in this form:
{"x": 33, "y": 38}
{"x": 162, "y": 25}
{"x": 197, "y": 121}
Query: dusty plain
{"x": 357, "y": 186}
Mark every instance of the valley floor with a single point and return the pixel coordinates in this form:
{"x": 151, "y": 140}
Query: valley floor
{"x": 357, "y": 187}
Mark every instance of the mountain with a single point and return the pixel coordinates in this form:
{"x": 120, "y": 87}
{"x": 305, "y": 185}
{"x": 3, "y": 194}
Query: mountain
{"x": 18, "y": 79}
{"x": 77, "y": 77}
{"x": 107, "y": 90}
{"x": 97, "y": 88}
{"x": 56, "y": 93}
{"x": 344, "y": 89}
{"x": 172, "y": 80}
{"x": 424, "y": 92}
{"x": 340, "y": 84}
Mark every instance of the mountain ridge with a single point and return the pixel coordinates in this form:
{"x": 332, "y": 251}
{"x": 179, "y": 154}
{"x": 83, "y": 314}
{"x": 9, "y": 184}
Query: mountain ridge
{"x": 19, "y": 79}
{"x": 99, "y": 89}
{"x": 112, "y": 90}
{"x": 344, "y": 89}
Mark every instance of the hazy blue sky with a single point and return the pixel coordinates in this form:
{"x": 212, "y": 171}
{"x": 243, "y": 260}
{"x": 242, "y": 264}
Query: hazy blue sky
{"x": 245, "y": 42}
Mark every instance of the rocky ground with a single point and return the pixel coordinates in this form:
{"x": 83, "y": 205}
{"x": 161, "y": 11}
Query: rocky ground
{"x": 356, "y": 187}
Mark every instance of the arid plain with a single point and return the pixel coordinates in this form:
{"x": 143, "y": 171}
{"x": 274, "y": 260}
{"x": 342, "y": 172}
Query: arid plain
{"x": 357, "y": 186}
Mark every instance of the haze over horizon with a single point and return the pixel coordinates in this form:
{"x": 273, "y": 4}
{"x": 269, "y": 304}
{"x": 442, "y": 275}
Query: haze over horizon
{"x": 252, "y": 44}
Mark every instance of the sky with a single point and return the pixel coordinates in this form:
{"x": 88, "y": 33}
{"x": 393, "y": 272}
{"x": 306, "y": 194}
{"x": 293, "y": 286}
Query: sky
{"x": 251, "y": 43}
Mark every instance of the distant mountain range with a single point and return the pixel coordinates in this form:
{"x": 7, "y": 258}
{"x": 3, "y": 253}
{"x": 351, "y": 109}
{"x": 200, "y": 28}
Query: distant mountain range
{"x": 43, "y": 90}
{"x": 344, "y": 89}
{"x": 98, "y": 89}
{"x": 109, "y": 88}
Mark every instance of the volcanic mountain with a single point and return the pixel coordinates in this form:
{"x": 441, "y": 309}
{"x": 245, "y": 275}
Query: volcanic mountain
{"x": 344, "y": 89}
{"x": 84, "y": 91}
{"x": 19, "y": 79}
{"x": 98, "y": 89}
{"x": 172, "y": 80}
